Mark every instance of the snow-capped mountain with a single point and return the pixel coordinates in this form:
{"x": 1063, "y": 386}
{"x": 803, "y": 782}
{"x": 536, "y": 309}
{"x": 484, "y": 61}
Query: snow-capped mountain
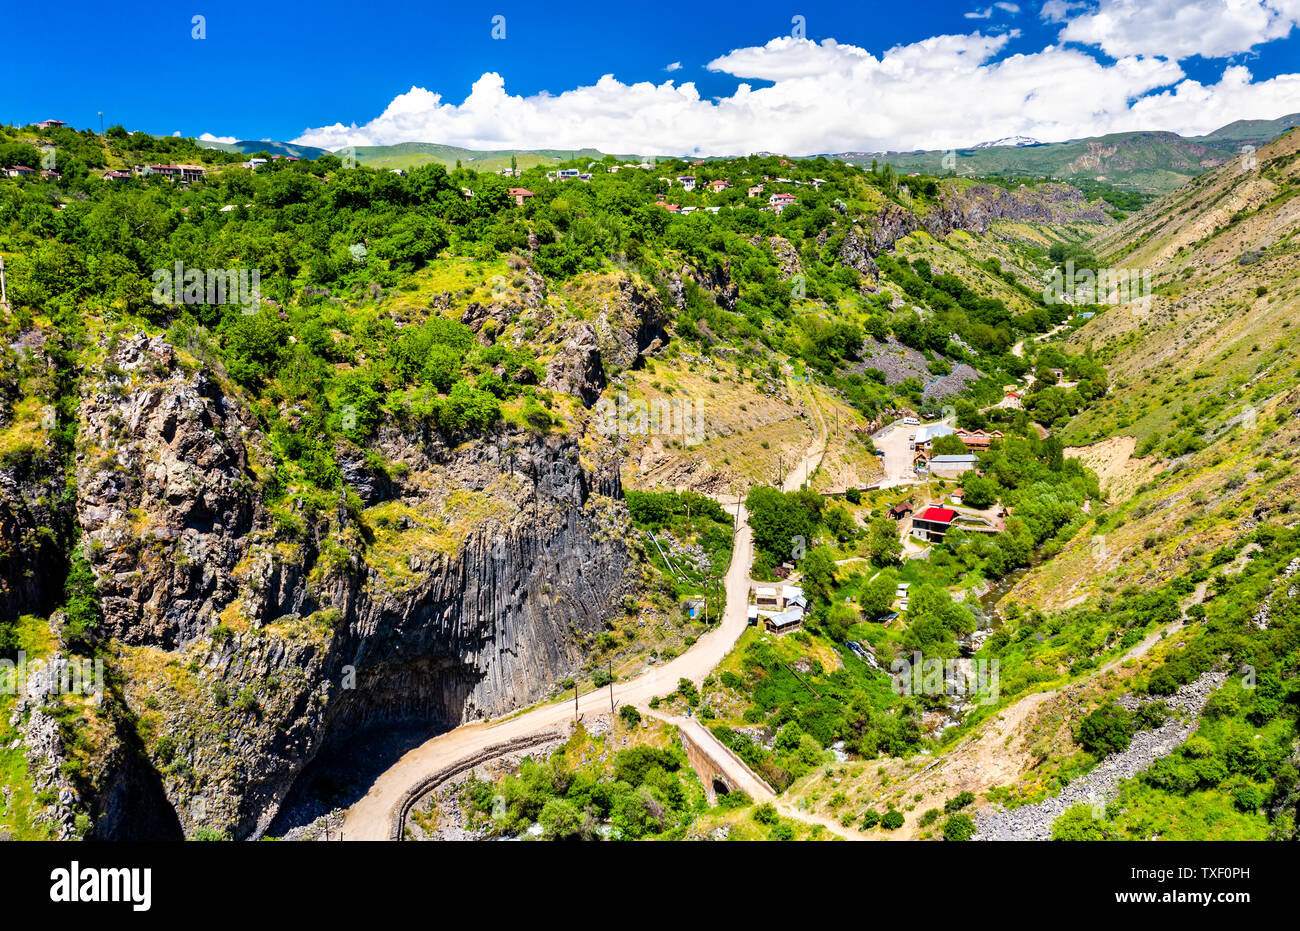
{"x": 1008, "y": 141}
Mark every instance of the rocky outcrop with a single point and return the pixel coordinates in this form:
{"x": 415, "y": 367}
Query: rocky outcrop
{"x": 34, "y": 517}
{"x": 974, "y": 208}
{"x": 628, "y": 323}
{"x": 577, "y": 368}
{"x": 164, "y": 494}
{"x": 254, "y": 635}
{"x": 633, "y": 323}
{"x": 855, "y": 253}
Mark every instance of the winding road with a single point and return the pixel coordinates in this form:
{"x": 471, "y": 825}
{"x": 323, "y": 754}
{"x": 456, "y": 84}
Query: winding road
{"x": 370, "y": 818}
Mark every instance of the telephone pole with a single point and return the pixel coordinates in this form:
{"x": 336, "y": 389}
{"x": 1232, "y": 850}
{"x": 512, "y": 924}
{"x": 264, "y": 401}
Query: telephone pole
{"x": 611, "y": 686}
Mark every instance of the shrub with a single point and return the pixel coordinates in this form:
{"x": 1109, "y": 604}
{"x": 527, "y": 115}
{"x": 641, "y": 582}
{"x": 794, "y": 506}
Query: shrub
{"x": 958, "y": 802}
{"x": 893, "y": 820}
{"x": 958, "y": 828}
{"x": 1107, "y": 730}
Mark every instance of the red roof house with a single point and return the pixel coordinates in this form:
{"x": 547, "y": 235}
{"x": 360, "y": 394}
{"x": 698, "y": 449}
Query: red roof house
{"x": 932, "y": 523}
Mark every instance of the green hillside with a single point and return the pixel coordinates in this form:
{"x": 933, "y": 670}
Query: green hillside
{"x": 1150, "y": 162}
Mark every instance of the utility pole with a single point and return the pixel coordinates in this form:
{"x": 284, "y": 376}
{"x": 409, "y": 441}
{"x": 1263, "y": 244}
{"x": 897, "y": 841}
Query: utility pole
{"x": 575, "y": 699}
{"x": 101, "y": 122}
{"x": 4, "y": 296}
{"x": 611, "y": 686}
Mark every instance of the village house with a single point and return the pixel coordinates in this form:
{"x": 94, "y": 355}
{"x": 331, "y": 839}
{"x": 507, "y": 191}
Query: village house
{"x": 900, "y": 510}
{"x": 50, "y": 124}
{"x": 520, "y": 194}
{"x": 952, "y": 466}
{"x": 792, "y": 598}
{"x": 925, "y": 436}
{"x": 117, "y": 175}
{"x": 19, "y": 171}
{"x": 178, "y": 172}
{"x": 978, "y": 439}
{"x": 720, "y": 185}
{"x": 779, "y": 202}
{"x": 784, "y": 622}
{"x": 767, "y": 599}
{"x": 756, "y": 190}
{"x": 931, "y": 524}
{"x": 687, "y": 182}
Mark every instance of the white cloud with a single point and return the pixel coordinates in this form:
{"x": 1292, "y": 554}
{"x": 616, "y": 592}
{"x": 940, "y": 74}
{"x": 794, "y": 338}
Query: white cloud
{"x": 987, "y": 12}
{"x": 944, "y": 91}
{"x": 208, "y": 137}
{"x": 675, "y": 66}
{"x": 1179, "y": 28}
{"x": 1058, "y": 11}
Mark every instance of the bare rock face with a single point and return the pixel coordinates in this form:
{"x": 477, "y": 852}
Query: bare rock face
{"x": 855, "y": 253}
{"x": 252, "y": 635}
{"x": 786, "y": 256}
{"x": 632, "y": 324}
{"x": 164, "y": 494}
{"x": 576, "y": 368}
{"x": 627, "y": 325}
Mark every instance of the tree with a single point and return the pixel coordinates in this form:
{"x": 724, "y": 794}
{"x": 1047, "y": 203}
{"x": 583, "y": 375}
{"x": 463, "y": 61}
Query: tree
{"x": 949, "y": 445}
{"x": 878, "y": 596}
{"x": 883, "y": 544}
{"x": 779, "y": 522}
{"x": 978, "y": 492}
{"x": 819, "y": 572}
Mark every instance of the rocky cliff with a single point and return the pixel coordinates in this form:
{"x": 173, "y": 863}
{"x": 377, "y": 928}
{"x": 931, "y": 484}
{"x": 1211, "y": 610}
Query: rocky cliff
{"x": 449, "y": 583}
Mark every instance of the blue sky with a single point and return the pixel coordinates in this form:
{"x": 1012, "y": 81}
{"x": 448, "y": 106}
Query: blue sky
{"x": 327, "y": 73}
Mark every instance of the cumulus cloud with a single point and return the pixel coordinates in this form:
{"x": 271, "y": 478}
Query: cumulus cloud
{"x": 1179, "y": 28}
{"x": 1058, "y": 11}
{"x": 208, "y": 137}
{"x": 942, "y": 92}
{"x": 675, "y": 66}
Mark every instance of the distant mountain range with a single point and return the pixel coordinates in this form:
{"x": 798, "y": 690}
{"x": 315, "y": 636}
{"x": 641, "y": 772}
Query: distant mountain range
{"x": 253, "y": 146}
{"x": 411, "y": 154}
{"x": 1009, "y": 140}
{"x": 1150, "y": 162}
